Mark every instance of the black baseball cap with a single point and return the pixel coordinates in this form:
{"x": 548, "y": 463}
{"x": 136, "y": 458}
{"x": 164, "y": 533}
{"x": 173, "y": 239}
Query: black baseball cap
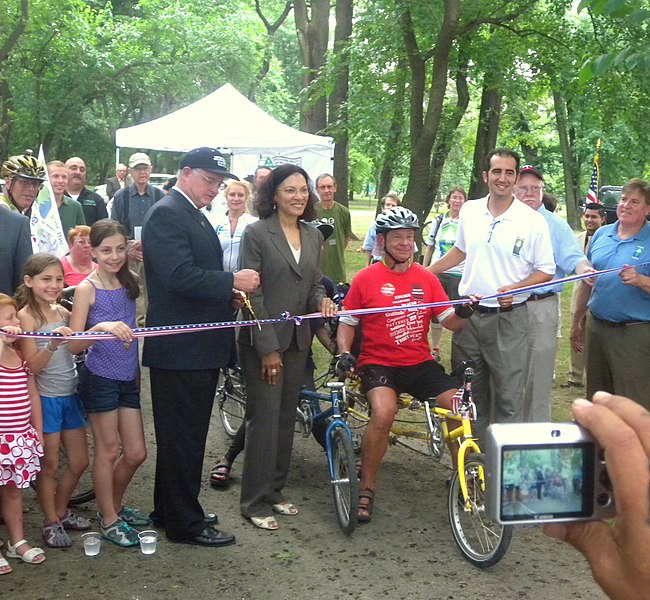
{"x": 532, "y": 170}
{"x": 208, "y": 159}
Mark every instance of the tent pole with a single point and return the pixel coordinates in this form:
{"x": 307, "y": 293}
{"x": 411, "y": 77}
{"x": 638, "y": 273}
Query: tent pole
{"x": 117, "y": 157}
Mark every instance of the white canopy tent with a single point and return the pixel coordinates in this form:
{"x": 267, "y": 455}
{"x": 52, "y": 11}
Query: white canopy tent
{"x": 228, "y": 120}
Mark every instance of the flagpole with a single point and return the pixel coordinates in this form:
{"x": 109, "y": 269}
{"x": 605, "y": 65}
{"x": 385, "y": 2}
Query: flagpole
{"x": 597, "y": 163}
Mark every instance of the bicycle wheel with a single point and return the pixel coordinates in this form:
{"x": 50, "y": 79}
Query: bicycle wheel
{"x": 345, "y": 484}
{"x": 231, "y": 398}
{"x": 482, "y": 541}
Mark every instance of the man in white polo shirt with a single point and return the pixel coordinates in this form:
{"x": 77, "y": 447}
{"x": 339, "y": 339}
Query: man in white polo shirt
{"x": 506, "y": 245}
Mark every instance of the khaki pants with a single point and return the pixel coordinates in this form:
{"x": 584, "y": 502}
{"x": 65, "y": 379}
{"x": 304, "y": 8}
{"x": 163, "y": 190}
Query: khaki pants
{"x": 617, "y": 360}
{"x": 497, "y": 343}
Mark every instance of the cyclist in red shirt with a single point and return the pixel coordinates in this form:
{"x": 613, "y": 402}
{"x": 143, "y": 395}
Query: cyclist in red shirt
{"x": 395, "y": 356}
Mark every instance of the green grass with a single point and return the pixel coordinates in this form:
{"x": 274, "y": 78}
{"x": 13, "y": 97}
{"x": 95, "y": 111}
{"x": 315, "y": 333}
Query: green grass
{"x": 362, "y": 216}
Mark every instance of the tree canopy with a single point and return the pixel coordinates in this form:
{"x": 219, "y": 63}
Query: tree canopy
{"x": 415, "y": 92}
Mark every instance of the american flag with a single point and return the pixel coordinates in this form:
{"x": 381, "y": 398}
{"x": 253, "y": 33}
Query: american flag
{"x": 592, "y": 194}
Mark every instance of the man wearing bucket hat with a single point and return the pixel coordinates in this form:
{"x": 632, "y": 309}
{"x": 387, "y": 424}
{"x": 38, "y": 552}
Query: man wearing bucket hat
{"x": 187, "y": 284}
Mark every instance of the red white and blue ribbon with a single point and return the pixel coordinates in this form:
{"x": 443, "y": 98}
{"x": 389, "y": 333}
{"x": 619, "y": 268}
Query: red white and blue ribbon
{"x": 141, "y": 332}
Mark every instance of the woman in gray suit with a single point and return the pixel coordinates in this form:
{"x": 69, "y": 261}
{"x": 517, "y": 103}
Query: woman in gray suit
{"x": 285, "y": 251}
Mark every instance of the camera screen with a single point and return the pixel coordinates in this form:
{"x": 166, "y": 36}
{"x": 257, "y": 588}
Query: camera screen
{"x": 547, "y": 482}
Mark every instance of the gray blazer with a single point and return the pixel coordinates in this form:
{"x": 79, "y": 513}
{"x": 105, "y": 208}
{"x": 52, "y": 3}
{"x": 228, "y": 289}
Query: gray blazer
{"x": 285, "y": 284}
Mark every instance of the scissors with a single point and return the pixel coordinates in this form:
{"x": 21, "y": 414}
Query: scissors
{"x": 249, "y": 307}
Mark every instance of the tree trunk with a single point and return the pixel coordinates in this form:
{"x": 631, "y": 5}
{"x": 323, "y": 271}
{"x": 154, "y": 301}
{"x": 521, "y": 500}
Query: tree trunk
{"x": 338, "y": 101}
{"x": 486, "y": 135}
{"x": 568, "y": 161}
{"x": 271, "y": 28}
{"x": 313, "y": 34}
{"x": 445, "y": 137}
{"x": 6, "y": 121}
{"x": 424, "y": 126}
{"x": 394, "y": 132}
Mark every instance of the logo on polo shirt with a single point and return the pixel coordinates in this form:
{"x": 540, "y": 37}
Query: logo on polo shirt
{"x": 388, "y": 289}
{"x": 519, "y": 244}
{"x": 638, "y": 252}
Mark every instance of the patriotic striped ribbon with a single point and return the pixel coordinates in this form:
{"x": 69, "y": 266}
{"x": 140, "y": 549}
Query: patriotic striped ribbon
{"x": 141, "y": 332}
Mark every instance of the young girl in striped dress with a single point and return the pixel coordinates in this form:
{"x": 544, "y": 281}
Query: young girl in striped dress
{"x": 21, "y": 434}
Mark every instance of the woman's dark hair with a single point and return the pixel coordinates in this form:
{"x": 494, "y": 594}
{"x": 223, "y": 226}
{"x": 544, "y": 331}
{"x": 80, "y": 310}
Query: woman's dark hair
{"x": 103, "y": 229}
{"x": 35, "y": 265}
{"x": 265, "y": 199}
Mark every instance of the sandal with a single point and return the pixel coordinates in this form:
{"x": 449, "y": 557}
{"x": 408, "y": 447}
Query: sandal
{"x": 5, "y": 567}
{"x": 33, "y": 556}
{"x": 55, "y": 536}
{"x": 285, "y": 508}
{"x": 220, "y": 474}
{"x": 365, "y": 510}
{"x": 268, "y": 523}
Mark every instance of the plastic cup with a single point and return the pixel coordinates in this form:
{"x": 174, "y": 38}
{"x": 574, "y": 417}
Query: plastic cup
{"x": 148, "y": 541}
{"x": 137, "y": 233}
{"x": 92, "y": 543}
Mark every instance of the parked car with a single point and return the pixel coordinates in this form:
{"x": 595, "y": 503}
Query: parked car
{"x": 159, "y": 179}
{"x": 610, "y": 196}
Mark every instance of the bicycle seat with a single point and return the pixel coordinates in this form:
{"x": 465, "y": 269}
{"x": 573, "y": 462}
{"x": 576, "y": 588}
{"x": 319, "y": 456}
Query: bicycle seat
{"x": 460, "y": 369}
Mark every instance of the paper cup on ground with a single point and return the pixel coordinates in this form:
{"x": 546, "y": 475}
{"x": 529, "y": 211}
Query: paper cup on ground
{"x": 148, "y": 541}
{"x": 92, "y": 543}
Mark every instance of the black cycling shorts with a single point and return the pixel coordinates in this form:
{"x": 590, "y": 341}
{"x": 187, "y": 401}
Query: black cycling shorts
{"x": 422, "y": 381}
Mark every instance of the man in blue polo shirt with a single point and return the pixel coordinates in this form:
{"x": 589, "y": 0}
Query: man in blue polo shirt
{"x": 617, "y": 336}
{"x": 543, "y": 312}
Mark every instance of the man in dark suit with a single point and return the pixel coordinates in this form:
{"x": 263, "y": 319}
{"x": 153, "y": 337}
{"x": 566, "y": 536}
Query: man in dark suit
{"x": 187, "y": 284}
{"x": 15, "y": 249}
{"x": 119, "y": 182}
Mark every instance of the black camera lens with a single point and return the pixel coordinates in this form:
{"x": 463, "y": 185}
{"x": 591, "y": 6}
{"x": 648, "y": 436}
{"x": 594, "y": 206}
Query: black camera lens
{"x": 555, "y": 433}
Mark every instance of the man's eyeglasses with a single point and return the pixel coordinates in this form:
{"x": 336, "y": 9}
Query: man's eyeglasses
{"x": 31, "y": 183}
{"x": 214, "y": 183}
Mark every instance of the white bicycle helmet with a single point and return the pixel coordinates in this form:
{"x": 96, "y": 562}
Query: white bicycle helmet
{"x": 396, "y": 218}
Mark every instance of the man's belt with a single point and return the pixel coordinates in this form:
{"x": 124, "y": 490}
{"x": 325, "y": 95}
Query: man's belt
{"x": 617, "y": 323}
{"x": 535, "y": 297}
{"x": 496, "y": 309}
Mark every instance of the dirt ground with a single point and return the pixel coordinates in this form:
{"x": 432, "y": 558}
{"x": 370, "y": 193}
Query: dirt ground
{"x": 406, "y": 552}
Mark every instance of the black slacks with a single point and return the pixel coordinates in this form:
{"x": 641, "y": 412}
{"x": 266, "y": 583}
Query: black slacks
{"x": 182, "y": 406}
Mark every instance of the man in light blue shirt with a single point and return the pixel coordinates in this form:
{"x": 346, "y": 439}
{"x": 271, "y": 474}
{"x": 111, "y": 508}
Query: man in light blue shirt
{"x": 617, "y": 339}
{"x": 543, "y": 305}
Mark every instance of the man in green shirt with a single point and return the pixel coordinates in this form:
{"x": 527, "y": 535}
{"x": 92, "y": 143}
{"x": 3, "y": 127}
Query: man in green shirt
{"x": 338, "y": 216}
{"x": 70, "y": 211}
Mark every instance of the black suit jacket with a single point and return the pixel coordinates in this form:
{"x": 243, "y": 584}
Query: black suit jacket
{"x": 93, "y": 205}
{"x": 15, "y": 249}
{"x": 186, "y": 284}
{"x": 113, "y": 185}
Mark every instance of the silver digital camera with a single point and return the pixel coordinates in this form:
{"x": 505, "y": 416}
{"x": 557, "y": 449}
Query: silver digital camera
{"x": 546, "y": 472}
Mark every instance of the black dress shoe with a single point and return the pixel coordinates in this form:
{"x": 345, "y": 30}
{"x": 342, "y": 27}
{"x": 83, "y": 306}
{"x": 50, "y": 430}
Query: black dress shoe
{"x": 210, "y": 519}
{"x": 210, "y": 537}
